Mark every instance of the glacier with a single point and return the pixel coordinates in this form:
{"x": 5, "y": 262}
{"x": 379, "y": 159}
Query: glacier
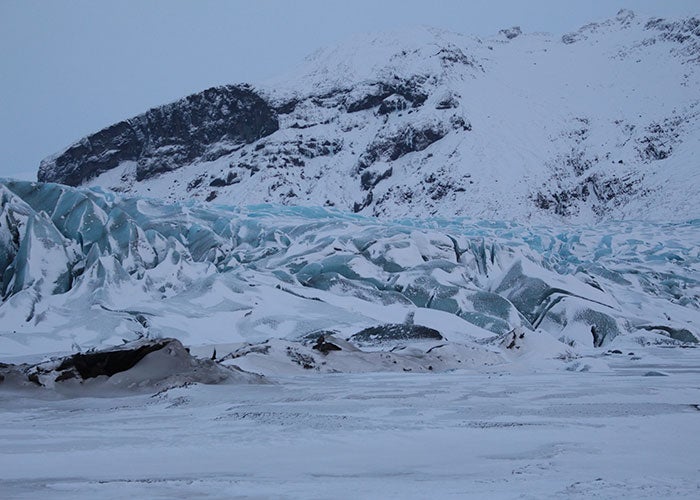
{"x": 86, "y": 267}
{"x": 531, "y": 330}
{"x": 312, "y": 352}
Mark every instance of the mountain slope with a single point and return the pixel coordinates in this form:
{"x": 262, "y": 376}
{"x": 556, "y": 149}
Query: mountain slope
{"x": 598, "y": 124}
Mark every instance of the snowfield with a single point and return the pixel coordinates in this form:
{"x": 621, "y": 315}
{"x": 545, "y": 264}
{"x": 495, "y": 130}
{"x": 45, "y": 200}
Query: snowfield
{"x": 495, "y": 433}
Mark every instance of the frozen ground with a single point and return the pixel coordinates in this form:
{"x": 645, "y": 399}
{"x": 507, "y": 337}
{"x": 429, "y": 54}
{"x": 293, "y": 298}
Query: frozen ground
{"x": 465, "y": 434}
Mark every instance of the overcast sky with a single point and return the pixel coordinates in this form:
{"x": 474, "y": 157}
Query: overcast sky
{"x": 69, "y": 68}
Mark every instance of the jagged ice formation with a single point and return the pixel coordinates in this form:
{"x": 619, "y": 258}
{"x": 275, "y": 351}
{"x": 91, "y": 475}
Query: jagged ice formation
{"x": 87, "y": 267}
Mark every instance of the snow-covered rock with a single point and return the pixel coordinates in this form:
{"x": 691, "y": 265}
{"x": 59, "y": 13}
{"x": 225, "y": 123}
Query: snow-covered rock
{"x": 140, "y": 365}
{"x": 602, "y": 123}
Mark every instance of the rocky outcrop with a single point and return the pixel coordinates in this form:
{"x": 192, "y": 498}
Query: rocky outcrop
{"x": 601, "y": 193}
{"x": 395, "y": 144}
{"x": 512, "y": 32}
{"x": 202, "y": 126}
{"x": 146, "y": 363}
{"x": 385, "y": 95}
{"x": 395, "y": 332}
{"x": 684, "y": 33}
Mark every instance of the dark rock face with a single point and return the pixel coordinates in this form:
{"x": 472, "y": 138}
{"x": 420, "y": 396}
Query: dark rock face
{"x": 385, "y": 95}
{"x": 206, "y": 126}
{"x": 108, "y": 362}
{"x": 304, "y": 360}
{"x": 679, "y": 334}
{"x": 684, "y": 33}
{"x": 660, "y": 138}
{"x": 169, "y": 364}
{"x": 355, "y": 143}
{"x": 512, "y": 339}
{"x": 371, "y": 166}
{"x": 453, "y": 55}
{"x": 323, "y": 346}
{"x": 605, "y": 193}
{"x": 409, "y": 139}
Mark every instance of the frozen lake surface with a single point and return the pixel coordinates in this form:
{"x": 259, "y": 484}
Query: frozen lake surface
{"x": 628, "y": 433}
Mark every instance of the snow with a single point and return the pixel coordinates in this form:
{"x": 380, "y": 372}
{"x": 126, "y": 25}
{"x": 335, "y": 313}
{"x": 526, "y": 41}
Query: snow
{"x": 511, "y": 353}
{"x": 465, "y": 434}
{"x": 549, "y": 124}
{"x": 516, "y": 398}
{"x": 218, "y": 274}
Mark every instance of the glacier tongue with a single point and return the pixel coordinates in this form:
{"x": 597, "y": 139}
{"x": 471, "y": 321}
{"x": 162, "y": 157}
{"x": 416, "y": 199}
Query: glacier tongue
{"x": 83, "y": 268}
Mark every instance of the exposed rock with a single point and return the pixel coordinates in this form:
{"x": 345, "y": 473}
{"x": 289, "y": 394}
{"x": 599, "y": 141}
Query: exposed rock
{"x": 408, "y": 90}
{"x": 108, "y": 362}
{"x": 448, "y": 102}
{"x": 511, "y": 33}
{"x": 304, "y": 360}
{"x": 407, "y": 139}
{"x": 371, "y": 178}
{"x": 605, "y": 193}
{"x": 513, "y": 339}
{"x": 350, "y": 115}
{"x": 393, "y": 103}
{"x": 231, "y": 178}
{"x": 679, "y": 334}
{"x": 661, "y": 137}
{"x": 570, "y": 38}
{"x": 404, "y": 355}
{"x": 158, "y": 363}
{"x": 323, "y": 346}
{"x": 205, "y": 125}
{"x": 453, "y": 55}
{"x": 684, "y": 33}
{"x": 393, "y": 332}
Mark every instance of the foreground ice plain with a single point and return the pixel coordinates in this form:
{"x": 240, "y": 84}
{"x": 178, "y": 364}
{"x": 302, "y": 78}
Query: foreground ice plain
{"x": 478, "y": 434}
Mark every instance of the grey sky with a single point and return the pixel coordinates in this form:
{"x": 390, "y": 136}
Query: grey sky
{"x": 69, "y": 68}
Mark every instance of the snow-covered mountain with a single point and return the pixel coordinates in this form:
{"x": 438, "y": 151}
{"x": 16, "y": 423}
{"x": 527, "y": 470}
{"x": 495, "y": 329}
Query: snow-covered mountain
{"x": 602, "y": 123}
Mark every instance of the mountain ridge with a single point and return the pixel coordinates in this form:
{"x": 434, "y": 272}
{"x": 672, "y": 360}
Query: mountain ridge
{"x": 597, "y": 124}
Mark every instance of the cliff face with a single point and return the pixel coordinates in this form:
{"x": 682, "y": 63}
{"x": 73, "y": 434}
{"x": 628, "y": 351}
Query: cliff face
{"x": 200, "y": 127}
